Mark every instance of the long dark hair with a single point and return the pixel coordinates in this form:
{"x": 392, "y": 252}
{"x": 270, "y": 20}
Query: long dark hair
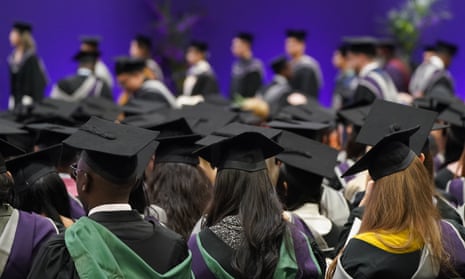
{"x": 183, "y": 191}
{"x": 302, "y": 187}
{"x": 47, "y": 196}
{"x": 354, "y": 149}
{"x": 251, "y": 196}
{"x": 6, "y": 186}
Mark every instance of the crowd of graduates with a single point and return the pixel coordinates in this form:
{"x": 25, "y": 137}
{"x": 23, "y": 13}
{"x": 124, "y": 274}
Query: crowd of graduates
{"x": 268, "y": 184}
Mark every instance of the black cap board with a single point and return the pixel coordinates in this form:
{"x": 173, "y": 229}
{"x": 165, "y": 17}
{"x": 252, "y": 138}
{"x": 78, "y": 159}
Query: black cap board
{"x": 306, "y": 129}
{"x": 390, "y": 155}
{"x": 125, "y": 64}
{"x": 86, "y": 56}
{"x": 50, "y": 109}
{"x": 146, "y": 121}
{"x": 387, "y": 117}
{"x": 143, "y": 41}
{"x": 308, "y": 155}
{"x": 7, "y": 150}
{"x": 28, "y": 168}
{"x": 22, "y": 26}
{"x": 49, "y": 134}
{"x": 100, "y": 107}
{"x": 11, "y": 128}
{"x": 313, "y": 113}
{"x": 299, "y": 35}
{"x": 110, "y": 149}
{"x": 91, "y": 40}
{"x": 364, "y": 45}
{"x": 454, "y": 115}
{"x": 446, "y": 47}
{"x": 199, "y": 46}
{"x": 137, "y": 107}
{"x": 246, "y": 37}
{"x": 246, "y": 151}
{"x": 278, "y": 64}
{"x": 235, "y": 129}
{"x": 355, "y": 116}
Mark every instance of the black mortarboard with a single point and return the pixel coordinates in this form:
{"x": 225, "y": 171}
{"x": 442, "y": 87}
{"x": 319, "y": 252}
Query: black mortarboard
{"x": 137, "y": 107}
{"x": 387, "y": 117}
{"x": 144, "y": 156}
{"x": 7, "y": 150}
{"x": 343, "y": 49}
{"x": 306, "y": 129}
{"x": 100, "y": 107}
{"x": 454, "y": 114}
{"x": 126, "y": 64}
{"x": 146, "y": 121}
{"x": 390, "y": 155}
{"x": 355, "y": 116}
{"x": 22, "y": 26}
{"x": 246, "y": 151}
{"x": 86, "y": 56}
{"x": 446, "y": 47}
{"x": 143, "y": 41}
{"x": 177, "y": 143}
{"x": 49, "y": 134}
{"x": 299, "y": 35}
{"x": 365, "y": 45}
{"x": 429, "y": 48}
{"x": 235, "y": 129}
{"x": 28, "y": 168}
{"x": 278, "y": 64}
{"x": 313, "y": 113}
{"x": 436, "y": 103}
{"x": 56, "y": 110}
{"x": 308, "y": 155}
{"x": 91, "y": 40}
{"x": 11, "y": 128}
{"x": 386, "y": 43}
{"x": 246, "y": 37}
{"x": 110, "y": 149}
{"x": 199, "y": 46}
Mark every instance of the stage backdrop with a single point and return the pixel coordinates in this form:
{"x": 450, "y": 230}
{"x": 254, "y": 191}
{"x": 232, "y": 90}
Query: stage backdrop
{"x": 58, "y": 25}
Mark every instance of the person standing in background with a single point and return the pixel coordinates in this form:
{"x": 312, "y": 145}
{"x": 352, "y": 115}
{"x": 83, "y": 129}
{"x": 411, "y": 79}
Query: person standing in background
{"x": 346, "y": 80}
{"x": 91, "y": 44}
{"x": 247, "y": 71}
{"x": 141, "y": 47}
{"x": 307, "y": 78}
{"x": 396, "y": 68}
{"x": 27, "y": 72}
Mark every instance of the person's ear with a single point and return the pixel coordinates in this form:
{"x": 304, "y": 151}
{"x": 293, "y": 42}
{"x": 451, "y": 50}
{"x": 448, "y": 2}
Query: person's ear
{"x": 285, "y": 188}
{"x": 85, "y": 183}
{"x": 422, "y": 157}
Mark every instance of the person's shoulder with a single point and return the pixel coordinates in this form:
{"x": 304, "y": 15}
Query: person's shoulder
{"x": 35, "y": 221}
{"x": 164, "y": 233}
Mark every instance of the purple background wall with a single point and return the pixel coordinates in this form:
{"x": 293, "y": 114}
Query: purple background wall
{"x": 59, "y": 23}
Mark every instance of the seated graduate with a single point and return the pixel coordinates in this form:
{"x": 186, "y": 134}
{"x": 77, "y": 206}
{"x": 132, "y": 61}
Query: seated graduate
{"x": 304, "y": 164}
{"x": 39, "y": 188}
{"x": 245, "y": 234}
{"x": 374, "y": 83}
{"x": 141, "y": 47}
{"x": 84, "y": 83}
{"x": 200, "y": 77}
{"x": 123, "y": 244}
{"x": 92, "y": 44}
{"x": 131, "y": 77}
{"x": 247, "y": 71}
{"x": 178, "y": 186}
{"x": 401, "y": 234}
{"x": 307, "y": 77}
{"x": 21, "y": 233}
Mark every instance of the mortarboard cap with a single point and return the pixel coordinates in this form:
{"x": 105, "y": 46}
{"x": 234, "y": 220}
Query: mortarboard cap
{"x": 86, "y": 56}
{"x": 11, "y": 128}
{"x": 386, "y": 43}
{"x": 110, "y": 149}
{"x": 313, "y": 113}
{"x": 100, "y": 107}
{"x": 28, "y": 168}
{"x": 126, "y": 64}
{"x": 387, "y": 117}
{"x": 355, "y": 116}
{"x": 91, "y": 40}
{"x": 246, "y": 151}
{"x": 390, "y": 155}
{"x": 235, "y": 129}
{"x": 143, "y": 158}
{"x": 246, "y": 37}
{"x": 308, "y": 155}
{"x": 199, "y": 46}
{"x": 137, "y": 107}
{"x": 365, "y": 45}
{"x": 429, "y": 48}
{"x": 146, "y": 121}
{"x": 7, "y": 150}
{"x": 454, "y": 115}
{"x": 278, "y": 64}
{"x": 446, "y": 47}
{"x": 311, "y": 130}
{"x": 22, "y": 26}
{"x": 143, "y": 41}
{"x": 299, "y": 35}
{"x": 49, "y": 134}
{"x": 55, "y": 110}
{"x": 343, "y": 49}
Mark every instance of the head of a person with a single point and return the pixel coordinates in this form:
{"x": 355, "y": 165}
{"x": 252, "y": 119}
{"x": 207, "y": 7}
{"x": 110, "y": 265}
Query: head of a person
{"x": 87, "y": 59}
{"x": 446, "y": 51}
{"x": 340, "y": 57}
{"x": 243, "y": 188}
{"x": 354, "y": 149}
{"x": 362, "y": 51}
{"x": 428, "y": 52}
{"x": 386, "y": 49}
{"x": 295, "y": 43}
{"x": 140, "y": 47}
{"x": 21, "y": 36}
{"x": 281, "y": 66}
{"x": 196, "y": 52}
{"x": 90, "y": 43}
{"x": 241, "y": 46}
{"x": 6, "y": 183}
{"x": 130, "y": 73}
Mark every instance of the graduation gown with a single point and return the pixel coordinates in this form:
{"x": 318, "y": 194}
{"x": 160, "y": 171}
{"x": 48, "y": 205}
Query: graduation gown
{"x": 201, "y": 80}
{"x": 306, "y": 76}
{"x": 155, "y": 69}
{"x": 422, "y": 75}
{"x": 80, "y": 86}
{"x": 344, "y": 88}
{"x": 247, "y": 77}
{"x": 276, "y": 93}
{"x": 155, "y": 91}
{"x": 440, "y": 84}
{"x": 364, "y": 257}
{"x": 27, "y": 79}
{"x": 211, "y": 257}
{"x": 21, "y": 235}
{"x": 374, "y": 83}
{"x": 159, "y": 247}
{"x": 102, "y": 72}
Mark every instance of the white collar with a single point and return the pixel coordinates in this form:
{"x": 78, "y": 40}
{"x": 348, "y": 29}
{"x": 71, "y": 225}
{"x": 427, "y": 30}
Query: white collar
{"x": 110, "y": 207}
{"x": 436, "y": 61}
{"x": 84, "y": 72}
{"x": 368, "y": 68}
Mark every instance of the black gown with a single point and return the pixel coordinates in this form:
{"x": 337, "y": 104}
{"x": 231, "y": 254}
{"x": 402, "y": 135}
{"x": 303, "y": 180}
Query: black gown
{"x": 159, "y": 247}
{"x": 247, "y": 78}
{"x": 78, "y": 87}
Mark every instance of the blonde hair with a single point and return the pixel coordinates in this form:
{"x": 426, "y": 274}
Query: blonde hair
{"x": 404, "y": 201}
{"x": 27, "y": 41}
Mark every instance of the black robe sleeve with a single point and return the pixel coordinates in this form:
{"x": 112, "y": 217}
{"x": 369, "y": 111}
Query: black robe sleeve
{"x": 53, "y": 261}
{"x": 306, "y": 82}
{"x": 32, "y": 79}
{"x": 344, "y": 235}
{"x": 205, "y": 85}
{"x": 363, "y": 96}
{"x": 106, "y": 91}
{"x": 251, "y": 84}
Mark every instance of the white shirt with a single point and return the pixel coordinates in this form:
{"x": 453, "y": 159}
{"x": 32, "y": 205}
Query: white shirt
{"x": 110, "y": 207}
